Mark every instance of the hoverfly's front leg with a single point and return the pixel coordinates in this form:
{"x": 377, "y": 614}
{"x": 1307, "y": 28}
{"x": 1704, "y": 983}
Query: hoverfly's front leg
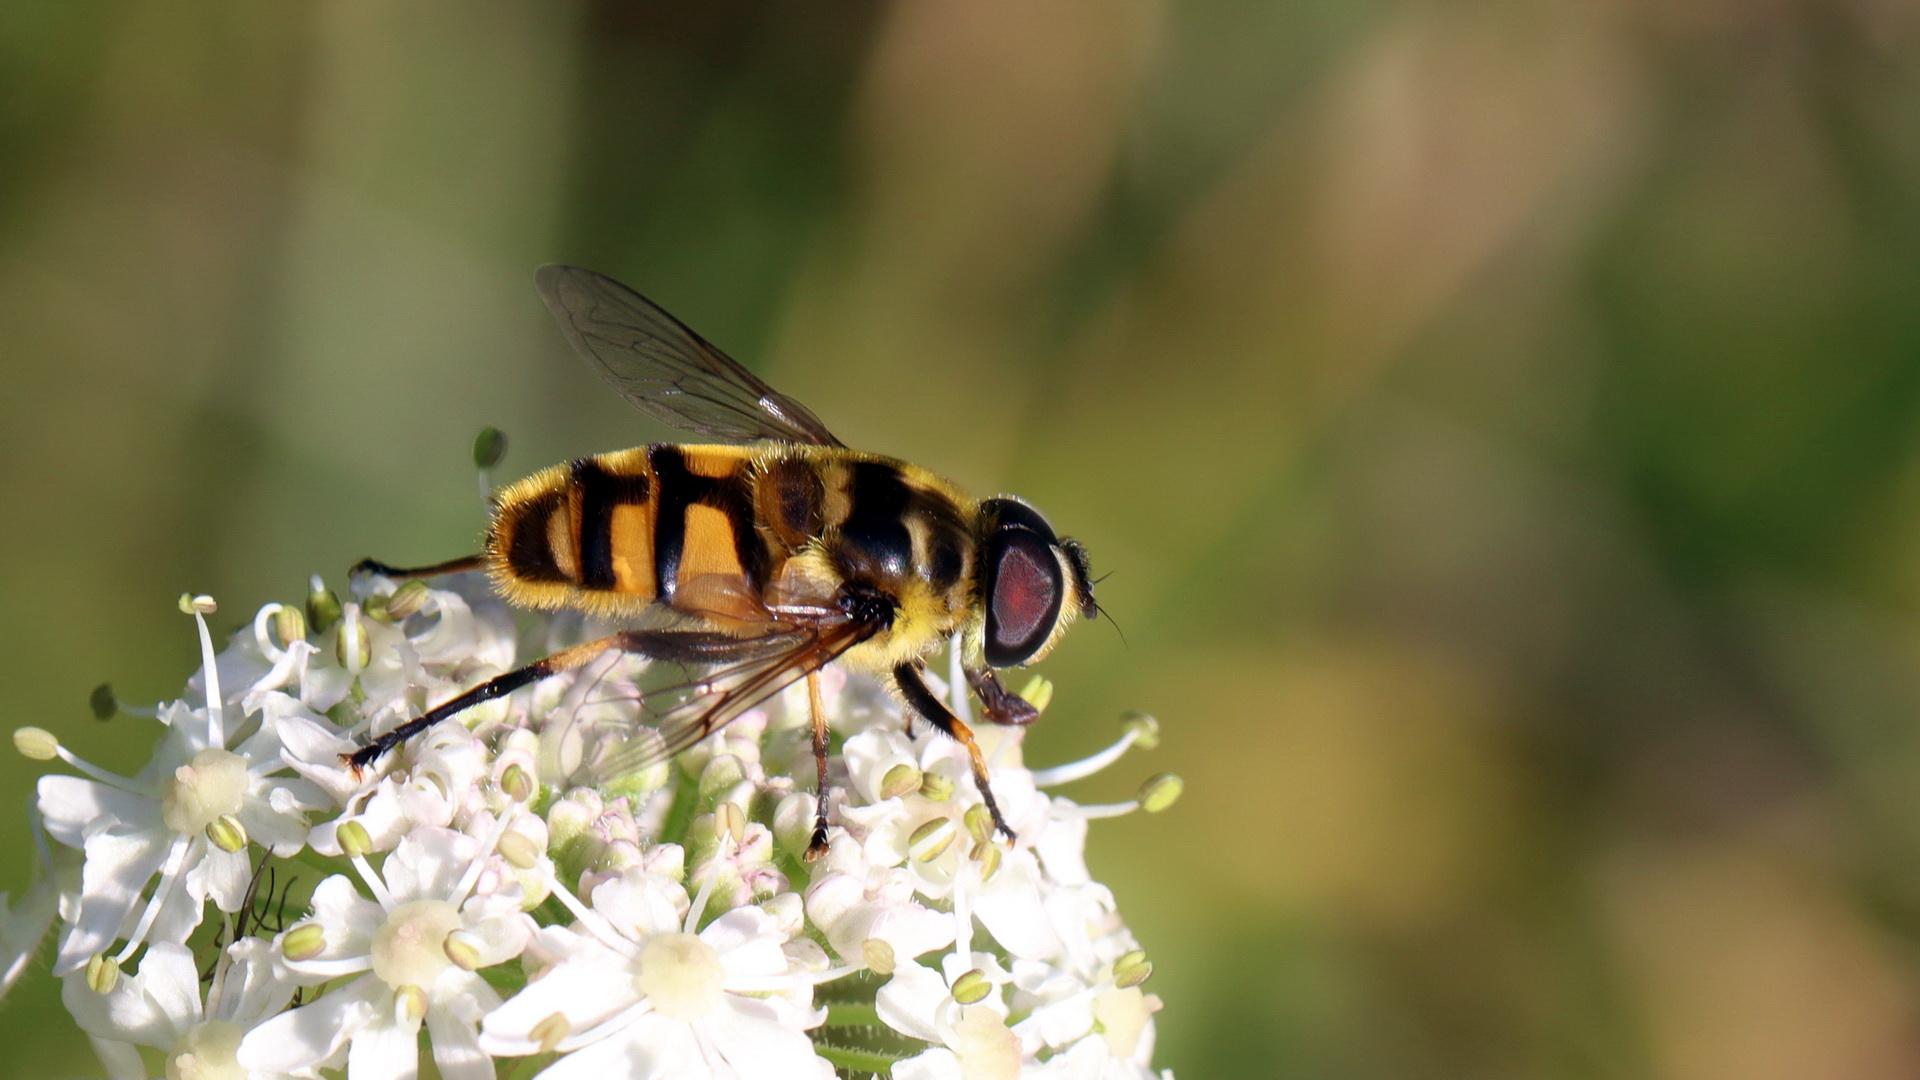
{"x": 923, "y": 701}
{"x": 451, "y": 566}
{"x": 1001, "y": 705}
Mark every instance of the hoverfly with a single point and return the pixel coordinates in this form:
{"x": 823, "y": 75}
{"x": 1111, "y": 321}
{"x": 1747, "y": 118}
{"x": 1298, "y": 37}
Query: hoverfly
{"x": 764, "y": 559}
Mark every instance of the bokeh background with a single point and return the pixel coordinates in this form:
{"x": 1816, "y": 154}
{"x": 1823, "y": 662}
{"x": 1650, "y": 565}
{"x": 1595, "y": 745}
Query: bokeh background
{"x": 1501, "y": 421}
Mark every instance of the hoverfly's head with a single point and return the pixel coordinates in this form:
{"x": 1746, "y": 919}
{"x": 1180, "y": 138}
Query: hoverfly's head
{"x": 1033, "y": 584}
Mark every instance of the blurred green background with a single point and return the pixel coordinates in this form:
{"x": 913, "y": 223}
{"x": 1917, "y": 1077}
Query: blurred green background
{"x": 1501, "y": 421}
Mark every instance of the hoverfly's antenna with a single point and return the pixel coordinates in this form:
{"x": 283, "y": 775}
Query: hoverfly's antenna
{"x": 1103, "y": 613}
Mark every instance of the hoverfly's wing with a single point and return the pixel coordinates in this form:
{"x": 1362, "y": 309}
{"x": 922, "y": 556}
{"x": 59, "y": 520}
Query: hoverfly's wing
{"x": 771, "y": 664}
{"x": 670, "y": 372}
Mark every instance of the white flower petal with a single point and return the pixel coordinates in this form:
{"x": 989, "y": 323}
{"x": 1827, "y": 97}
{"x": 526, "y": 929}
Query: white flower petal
{"x": 384, "y": 1050}
{"x": 456, "y": 1050}
{"x": 304, "y": 1037}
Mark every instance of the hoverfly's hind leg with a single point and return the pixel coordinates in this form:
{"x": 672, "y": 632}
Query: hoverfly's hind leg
{"x": 924, "y": 702}
{"x": 818, "y": 845}
{"x": 1001, "y": 705}
{"x": 496, "y": 687}
{"x": 451, "y": 566}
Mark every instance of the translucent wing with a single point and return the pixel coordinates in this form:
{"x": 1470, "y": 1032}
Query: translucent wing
{"x": 771, "y": 664}
{"x": 669, "y": 371}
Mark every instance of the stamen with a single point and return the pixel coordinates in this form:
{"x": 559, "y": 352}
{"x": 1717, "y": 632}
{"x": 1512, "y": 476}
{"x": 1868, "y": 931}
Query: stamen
{"x": 595, "y": 922}
{"x": 699, "y": 905}
{"x": 374, "y": 884}
{"x": 957, "y": 683}
{"x": 131, "y": 787}
{"x": 168, "y": 877}
{"x": 472, "y": 876}
{"x": 200, "y": 607}
{"x": 1087, "y": 766}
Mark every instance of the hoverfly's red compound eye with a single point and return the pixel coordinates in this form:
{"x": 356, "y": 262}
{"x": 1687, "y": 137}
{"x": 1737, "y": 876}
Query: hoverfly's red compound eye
{"x": 1025, "y": 589}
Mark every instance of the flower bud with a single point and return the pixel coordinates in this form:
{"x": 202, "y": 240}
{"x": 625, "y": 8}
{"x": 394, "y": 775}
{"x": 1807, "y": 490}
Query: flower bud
{"x": 102, "y": 974}
{"x": 354, "y": 839}
{"x": 1131, "y": 969}
{"x": 979, "y": 822}
{"x": 409, "y": 1004}
{"x": 489, "y": 447}
{"x": 1145, "y": 729}
{"x": 1038, "y": 692}
{"x": 408, "y": 599}
{"x": 931, "y": 838}
{"x": 902, "y": 779}
{"x": 519, "y": 850}
{"x": 226, "y": 833}
{"x": 972, "y": 987}
{"x": 36, "y": 743}
{"x": 304, "y": 942}
{"x": 935, "y": 788}
{"x": 463, "y": 949}
{"x": 517, "y": 783}
{"x": 1160, "y": 791}
{"x": 549, "y": 1032}
{"x": 103, "y": 703}
{"x": 793, "y": 822}
{"x": 721, "y": 774}
{"x": 878, "y": 956}
{"x": 197, "y": 605}
{"x": 323, "y": 606}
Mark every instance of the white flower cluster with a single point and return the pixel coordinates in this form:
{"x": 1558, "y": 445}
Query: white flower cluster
{"x": 541, "y": 897}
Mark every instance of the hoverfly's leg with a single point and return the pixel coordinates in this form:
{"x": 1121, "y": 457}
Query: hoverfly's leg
{"x": 451, "y": 566}
{"x": 924, "y": 702}
{"x": 818, "y": 845}
{"x": 498, "y": 686}
{"x": 1002, "y": 706}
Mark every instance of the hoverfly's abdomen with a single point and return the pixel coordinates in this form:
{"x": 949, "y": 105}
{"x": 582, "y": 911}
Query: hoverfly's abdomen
{"x": 616, "y": 532}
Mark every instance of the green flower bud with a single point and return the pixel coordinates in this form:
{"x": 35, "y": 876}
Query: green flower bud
{"x": 793, "y": 823}
{"x": 36, "y": 743}
{"x": 720, "y": 775}
{"x": 971, "y": 988}
{"x": 103, "y": 703}
{"x": 902, "y": 779}
{"x": 1160, "y": 791}
{"x": 304, "y": 942}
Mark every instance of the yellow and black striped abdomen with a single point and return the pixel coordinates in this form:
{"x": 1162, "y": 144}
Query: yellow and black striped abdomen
{"x": 617, "y": 532}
